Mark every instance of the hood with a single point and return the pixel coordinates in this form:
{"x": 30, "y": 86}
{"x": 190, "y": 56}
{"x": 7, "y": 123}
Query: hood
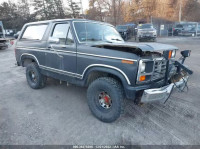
{"x": 152, "y": 47}
{"x": 147, "y": 29}
{"x": 121, "y": 30}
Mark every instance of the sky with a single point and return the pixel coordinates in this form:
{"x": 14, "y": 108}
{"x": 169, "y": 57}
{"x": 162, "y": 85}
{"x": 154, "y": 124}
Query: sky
{"x": 84, "y": 2}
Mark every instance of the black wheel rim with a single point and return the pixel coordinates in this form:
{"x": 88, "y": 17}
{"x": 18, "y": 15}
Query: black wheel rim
{"x": 33, "y": 76}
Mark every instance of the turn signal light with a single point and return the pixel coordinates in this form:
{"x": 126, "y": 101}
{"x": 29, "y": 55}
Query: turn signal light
{"x": 170, "y": 55}
{"x": 127, "y": 62}
{"x": 142, "y": 78}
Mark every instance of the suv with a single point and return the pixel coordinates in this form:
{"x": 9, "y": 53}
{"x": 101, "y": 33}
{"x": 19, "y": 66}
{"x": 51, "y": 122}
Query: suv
{"x": 146, "y": 32}
{"x": 184, "y": 29}
{"x": 125, "y": 31}
{"x": 3, "y": 41}
{"x": 93, "y": 54}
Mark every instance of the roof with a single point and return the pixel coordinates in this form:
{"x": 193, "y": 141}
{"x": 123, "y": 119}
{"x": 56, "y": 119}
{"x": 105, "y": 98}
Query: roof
{"x": 59, "y": 20}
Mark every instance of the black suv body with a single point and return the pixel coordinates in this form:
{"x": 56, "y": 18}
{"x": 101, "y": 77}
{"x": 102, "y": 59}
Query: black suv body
{"x": 3, "y": 40}
{"x": 125, "y": 31}
{"x": 90, "y": 53}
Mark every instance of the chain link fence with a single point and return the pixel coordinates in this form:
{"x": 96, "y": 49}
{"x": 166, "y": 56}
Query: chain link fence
{"x": 168, "y": 28}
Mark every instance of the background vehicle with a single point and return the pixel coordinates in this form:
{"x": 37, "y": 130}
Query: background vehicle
{"x": 3, "y": 40}
{"x": 183, "y": 29}
{"x": 132, "y": 27}
{"x": 191, "y": 32}
{"x": 93, "y": 54}
{"x": 9, "y": 32}
{"x": 17, "y": 34}
{"x": 125, "y": 31}
{"x": 146, "y": 32}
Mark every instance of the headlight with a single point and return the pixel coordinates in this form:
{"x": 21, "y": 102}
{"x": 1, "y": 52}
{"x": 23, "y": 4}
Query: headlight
{"x": 145, "y": 71}
{"x": 173, "y": 53}
{"x": 142, "y": 68}
{"x": 139, "y": 33}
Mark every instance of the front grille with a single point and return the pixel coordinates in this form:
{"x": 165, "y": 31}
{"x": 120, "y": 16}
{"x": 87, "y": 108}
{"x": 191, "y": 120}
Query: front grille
{"x": 122, "y": 33}
{"x": 159, "y": 69}
{"x": 147, "y": 34}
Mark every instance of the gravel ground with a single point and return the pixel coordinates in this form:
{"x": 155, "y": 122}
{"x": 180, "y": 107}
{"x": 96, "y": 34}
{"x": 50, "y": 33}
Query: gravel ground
{"x": 58, "y": 114}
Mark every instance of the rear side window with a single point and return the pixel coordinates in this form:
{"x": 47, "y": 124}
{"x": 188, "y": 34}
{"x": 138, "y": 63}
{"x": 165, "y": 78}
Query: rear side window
{"x": 34, "y": 32}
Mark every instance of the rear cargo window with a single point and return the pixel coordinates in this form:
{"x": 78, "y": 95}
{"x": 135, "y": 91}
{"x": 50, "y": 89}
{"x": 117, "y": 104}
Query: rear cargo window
{"x": 34, "y": 32}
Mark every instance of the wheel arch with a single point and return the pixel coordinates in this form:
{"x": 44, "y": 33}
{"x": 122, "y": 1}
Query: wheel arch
{"x": 105, "y": 70}
{"x": 26, "y": 58}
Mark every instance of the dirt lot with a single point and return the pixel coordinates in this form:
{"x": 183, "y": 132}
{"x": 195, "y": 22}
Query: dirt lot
{"x": 58, "y": 114}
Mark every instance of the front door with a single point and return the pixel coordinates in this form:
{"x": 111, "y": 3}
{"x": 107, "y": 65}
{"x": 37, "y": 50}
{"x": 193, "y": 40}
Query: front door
{"x": 61, "y": 57}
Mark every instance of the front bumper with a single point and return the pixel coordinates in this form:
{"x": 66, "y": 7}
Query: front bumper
{"x": 123, "y": 34}
{"x": 3, "y": 45}
{"x": 158, "y": 94}
{"x": 163, "y": 93}
{"x": 146, "y": 36}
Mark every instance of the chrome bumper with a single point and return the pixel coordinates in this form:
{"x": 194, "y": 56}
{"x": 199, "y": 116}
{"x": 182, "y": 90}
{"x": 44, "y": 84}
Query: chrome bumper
{"x": 163, "y": 93}
{"x": 181, "y": 83}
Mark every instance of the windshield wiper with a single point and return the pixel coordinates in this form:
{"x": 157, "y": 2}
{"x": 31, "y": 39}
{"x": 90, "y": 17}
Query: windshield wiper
{"x": 107, "y": 41}
{"x": 116, "y": 39}
{"x": 92, "y": 39}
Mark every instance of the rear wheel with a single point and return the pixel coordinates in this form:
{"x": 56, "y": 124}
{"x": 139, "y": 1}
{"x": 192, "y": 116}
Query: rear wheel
{"x": 34, "y": 78}
{"x": 106, "y": 99}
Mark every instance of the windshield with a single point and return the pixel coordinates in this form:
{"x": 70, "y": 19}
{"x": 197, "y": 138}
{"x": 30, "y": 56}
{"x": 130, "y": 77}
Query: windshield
{"x": 95, "y": 32}
{"x": 143, "y": 26}
{"x": 121, "y": 27}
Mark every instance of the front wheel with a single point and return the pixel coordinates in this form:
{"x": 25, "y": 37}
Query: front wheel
{"x": 106, "y": 99}
{"x": 137, "y": 39}
{"x": 34, "y": 78}
{"x": 154, "y": 40}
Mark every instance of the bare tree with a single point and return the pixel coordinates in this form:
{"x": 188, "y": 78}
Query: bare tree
{"x": 106, "y": 10}
{"x": 74, "y": 8}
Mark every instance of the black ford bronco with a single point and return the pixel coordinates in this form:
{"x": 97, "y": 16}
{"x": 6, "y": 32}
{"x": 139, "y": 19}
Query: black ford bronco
{"x": 93, "y": 54}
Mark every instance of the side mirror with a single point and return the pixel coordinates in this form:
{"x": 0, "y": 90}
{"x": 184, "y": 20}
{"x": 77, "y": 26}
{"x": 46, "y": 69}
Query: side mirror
{"x": 16, "y": 36}
{"x": 186, "y": 53}
{"x": 54, "y": 40}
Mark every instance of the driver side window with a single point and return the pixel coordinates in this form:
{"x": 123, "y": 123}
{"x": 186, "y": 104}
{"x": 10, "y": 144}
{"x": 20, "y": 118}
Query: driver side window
{"x": 63, "y": 33}
{"x": 70, "y": 39}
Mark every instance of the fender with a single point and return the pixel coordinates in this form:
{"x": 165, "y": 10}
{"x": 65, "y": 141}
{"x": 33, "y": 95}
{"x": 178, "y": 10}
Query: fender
{"x": 107, "y": 69}
{"x": 26, "y": 55}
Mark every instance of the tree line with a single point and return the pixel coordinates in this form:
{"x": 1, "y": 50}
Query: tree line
{"x": 15, "y": 15}
{"x": 120, "y": 11}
